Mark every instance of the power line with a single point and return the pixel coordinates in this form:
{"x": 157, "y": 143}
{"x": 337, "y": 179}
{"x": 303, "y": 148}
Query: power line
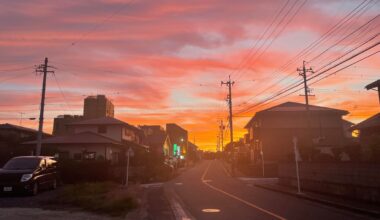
{"x": 311, "y": 46}
{"x": 366, "y": 41}
{"x": 253, "y": 50}
{"x": 312, "y": 77}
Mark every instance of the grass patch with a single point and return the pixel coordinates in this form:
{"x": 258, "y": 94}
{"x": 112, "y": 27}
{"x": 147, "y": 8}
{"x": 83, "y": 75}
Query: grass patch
{"x": 103, "y": 198}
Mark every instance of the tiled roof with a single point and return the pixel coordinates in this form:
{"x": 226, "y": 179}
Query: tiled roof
{"x": 103, "y": 121}
{"x": 373, "y": 121}
{"x": 295, "y": 107}
{"x": 20, "y": 128}
{"x": 79, "y": 138}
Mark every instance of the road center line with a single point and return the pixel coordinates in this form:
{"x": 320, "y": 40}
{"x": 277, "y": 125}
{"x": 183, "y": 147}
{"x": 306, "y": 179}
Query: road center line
{"x": 237, "y": 198}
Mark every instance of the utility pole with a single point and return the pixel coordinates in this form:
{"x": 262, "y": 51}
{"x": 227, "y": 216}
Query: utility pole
{"x": 221, "y": 130}
{"x": 230, "y": 83}
{"x": 43, "y": 68}
{"x": 217, "y": 143}
{"x": 303, "y": 72}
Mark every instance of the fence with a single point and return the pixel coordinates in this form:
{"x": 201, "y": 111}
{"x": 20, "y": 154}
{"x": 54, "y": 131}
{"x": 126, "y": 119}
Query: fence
{"x": 359, "y": 181}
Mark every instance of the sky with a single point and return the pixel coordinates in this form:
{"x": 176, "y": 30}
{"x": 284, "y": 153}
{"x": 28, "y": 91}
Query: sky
{"x": 163, "y": 61}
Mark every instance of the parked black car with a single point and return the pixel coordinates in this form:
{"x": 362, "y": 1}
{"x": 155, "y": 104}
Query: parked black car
{"x": 29, "y": 174}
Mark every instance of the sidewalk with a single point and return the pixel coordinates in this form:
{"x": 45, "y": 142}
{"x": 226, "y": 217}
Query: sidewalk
{"x": 372, "y": 210}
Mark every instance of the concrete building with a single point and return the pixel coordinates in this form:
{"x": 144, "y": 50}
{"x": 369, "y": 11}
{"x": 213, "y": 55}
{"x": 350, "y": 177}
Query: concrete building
{"x": 157, "y": 139}
{"x": 179, "y": 139}
{"x": 60, "y": 122}
{"x": 272, "y": 130}
{"x": 97, "y": 107}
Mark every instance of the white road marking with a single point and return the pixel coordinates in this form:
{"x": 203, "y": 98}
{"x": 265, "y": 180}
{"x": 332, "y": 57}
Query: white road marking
{"x": 152, "y": 185}
{"x": 211, "y": 210}
{"x": 237, "y": 198}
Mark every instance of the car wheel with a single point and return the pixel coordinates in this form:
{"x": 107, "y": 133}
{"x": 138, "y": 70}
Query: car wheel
{"x": 35, "y": 189}
{"x": 55, "y": 183}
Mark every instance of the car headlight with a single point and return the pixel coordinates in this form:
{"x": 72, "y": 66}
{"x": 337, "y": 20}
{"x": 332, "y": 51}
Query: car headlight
{"x": 26, "y": 177}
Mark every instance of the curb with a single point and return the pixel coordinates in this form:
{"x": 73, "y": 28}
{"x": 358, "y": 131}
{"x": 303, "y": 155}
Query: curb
{"x": 325, "y": 202}
{"x": 177, "y": 206}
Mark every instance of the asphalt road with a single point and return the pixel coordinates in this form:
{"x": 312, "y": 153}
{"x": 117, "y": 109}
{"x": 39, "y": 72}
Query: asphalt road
{"x": 206, "y": 191}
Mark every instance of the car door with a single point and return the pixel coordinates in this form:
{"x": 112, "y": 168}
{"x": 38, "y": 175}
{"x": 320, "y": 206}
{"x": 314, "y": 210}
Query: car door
{"x": 43, "y": 178}
{"x": 51, "y": 171}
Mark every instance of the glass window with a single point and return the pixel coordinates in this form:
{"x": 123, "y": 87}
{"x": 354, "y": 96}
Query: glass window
{"x": 89, "y": 155}
{"x": 22, "y": 164}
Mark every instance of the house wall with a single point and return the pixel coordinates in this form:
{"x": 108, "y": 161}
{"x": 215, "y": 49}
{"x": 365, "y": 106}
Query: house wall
{"x": 113, "y": 131}
{"x": 274, "y": 132}
{"x": 105, "y": 151}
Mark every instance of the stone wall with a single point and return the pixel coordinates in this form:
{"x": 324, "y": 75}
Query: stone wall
{"x": 359, "y": 181}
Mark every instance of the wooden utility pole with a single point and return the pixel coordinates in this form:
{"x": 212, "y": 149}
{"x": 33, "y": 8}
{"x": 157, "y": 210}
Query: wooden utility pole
{"x": 217, "y": 143}
{"x": 303, "y": 72}
{"x": 229, "y": 84}
{"x": 43, "y": 68}
{"x": 221, "y": 130}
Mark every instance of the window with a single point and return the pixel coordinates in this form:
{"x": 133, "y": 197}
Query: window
{"x": 102, "y": 129}
{"x": 89, "y": 155}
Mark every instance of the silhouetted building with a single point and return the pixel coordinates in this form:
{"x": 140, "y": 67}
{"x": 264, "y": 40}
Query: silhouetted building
{"x": 99, "y": 138}
{"x": 273, "y": 129}
{"x": 369, "y": 136}
{"x": 97, "y": 106}
{"x": 11, "y": 137}
{"x": 60, "y": 122}
{"x": 157, "y": 139}
{"x": 179, "y": 139}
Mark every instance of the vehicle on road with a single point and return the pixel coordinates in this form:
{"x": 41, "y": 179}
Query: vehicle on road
{"x": 29, "y": 174}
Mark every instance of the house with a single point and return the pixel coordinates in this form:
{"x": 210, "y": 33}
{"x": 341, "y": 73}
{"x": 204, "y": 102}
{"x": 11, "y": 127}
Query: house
{"x": 157, "y": 139}
{"x": 179, "y": 140}
{"x": 99, "y": 138}
{"x": 11, "y": 136}
{"x": 192, "y": 152}
{"x": 369, "y": 136}
{"x": 271, "y": 131}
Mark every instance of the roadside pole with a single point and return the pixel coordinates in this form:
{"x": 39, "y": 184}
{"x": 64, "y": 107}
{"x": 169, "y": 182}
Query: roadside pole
{"x": 296, "y": 158}
{"x": 130, "y": 153}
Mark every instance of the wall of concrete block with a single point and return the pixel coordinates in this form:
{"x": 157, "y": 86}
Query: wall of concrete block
{"x": 359, "y": 181}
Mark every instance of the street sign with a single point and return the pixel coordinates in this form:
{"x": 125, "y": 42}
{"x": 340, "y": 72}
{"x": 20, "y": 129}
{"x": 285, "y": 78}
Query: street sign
{"x": 131, "y": 152}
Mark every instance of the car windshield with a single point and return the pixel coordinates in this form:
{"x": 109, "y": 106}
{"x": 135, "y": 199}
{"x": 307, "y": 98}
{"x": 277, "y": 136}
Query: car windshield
{"x": 22, "y": 164}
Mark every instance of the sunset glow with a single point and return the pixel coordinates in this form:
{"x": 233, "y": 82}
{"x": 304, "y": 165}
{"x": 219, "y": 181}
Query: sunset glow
{"x": 162, "y": 61}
